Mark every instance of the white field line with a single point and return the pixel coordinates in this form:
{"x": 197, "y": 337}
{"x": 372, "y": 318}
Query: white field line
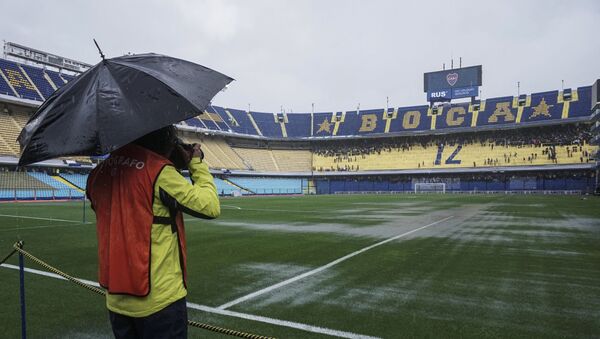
{"x": 232, "y": 206}
{"x": 48, "y": 274}
{"x": 324, "y": 267}
{"x": 283, "y": 323}
{"x": 208, "y": 309}
{"x": 36, "y": 218}
{"x": 280, "y": 210}
{"x": 42, "y": 226}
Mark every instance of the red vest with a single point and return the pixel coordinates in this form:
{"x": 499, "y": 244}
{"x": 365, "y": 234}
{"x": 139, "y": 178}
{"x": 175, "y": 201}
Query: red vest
{"x": 121, "y": 190}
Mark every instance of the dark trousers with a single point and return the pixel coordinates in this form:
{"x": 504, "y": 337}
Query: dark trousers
{"x": 170, "y": 322}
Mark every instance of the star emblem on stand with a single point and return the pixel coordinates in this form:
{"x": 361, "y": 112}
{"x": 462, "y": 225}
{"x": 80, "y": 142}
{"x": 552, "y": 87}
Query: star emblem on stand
{"x": 325, "y": 126}
{"x": 541, "y": 109}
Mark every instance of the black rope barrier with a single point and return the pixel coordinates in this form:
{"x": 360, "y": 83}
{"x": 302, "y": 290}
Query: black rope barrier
{"x": 18, "y": 247}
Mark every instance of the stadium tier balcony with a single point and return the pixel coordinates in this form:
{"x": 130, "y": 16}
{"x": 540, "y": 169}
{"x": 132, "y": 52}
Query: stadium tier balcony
{"x": 18, "y": 80}
{"x": 5, "y": 88}
{"x": 213, "y": 115}
{"x": 237, "y": 120}
{"x": 37, "y": 76}
{"x": 195, "y": 122}
{"x": 297, "y": 125}
{"x": 55, "y": 77}
{"x": 267, "y": 123}
{"x": 67, "y": 77}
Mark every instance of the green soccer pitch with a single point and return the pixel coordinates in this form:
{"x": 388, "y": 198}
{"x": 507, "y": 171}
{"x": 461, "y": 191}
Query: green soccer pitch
{"x": 388, "y": 266}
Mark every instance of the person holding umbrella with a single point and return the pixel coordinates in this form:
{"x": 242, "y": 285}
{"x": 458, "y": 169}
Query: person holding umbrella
{"x": 121, "y": 107}
{"x": 138, "y": 196}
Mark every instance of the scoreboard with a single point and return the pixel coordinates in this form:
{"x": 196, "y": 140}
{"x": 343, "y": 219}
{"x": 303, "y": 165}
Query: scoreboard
{"x": 453, "y": 84}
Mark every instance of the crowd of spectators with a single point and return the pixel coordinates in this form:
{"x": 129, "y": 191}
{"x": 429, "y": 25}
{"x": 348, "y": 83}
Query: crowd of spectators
{"x": 577, "y": 134}
{"x": 347, "y": 154}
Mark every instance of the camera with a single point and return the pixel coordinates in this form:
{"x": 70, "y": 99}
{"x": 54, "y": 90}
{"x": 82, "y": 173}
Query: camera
{"x": 182, "y": 154}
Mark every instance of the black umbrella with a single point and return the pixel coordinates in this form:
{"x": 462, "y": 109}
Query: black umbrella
{"x": 115, "y": 102}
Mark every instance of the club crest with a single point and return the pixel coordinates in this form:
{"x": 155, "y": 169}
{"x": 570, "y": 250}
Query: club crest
{"x": 452, "y": 78}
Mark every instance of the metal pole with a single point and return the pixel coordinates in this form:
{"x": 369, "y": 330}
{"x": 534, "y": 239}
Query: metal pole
{"x": 22, "y": 291}
{"x": 387, "y": 104}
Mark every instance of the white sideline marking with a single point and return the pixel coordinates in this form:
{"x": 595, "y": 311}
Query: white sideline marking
{"x": 208, "y": 309}
{"x": 322, "y": 268}
{"x": 49, "y": 274}
{"x": 284, "y": 323}
{"x": 42, "y": 226}
{"x": 36, "y": 218}
{"x": 236, "y": 207}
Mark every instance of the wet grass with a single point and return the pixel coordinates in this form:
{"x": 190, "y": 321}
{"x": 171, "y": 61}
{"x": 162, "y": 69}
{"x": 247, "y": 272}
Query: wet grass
{"x": 522, "y": 266}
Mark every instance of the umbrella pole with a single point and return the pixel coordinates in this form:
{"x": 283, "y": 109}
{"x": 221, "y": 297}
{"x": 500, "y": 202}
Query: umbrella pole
{"x": 99, "y": 50}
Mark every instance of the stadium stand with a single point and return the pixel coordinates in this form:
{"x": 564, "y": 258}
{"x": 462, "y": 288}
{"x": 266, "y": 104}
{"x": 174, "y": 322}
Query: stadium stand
{"x": 541, "y": 146}
{"x": 541, "y": 130}
{"x": 293, "y": 160}
{"x": 19, "y": 80}
{"x": 20, "y": 180}
{"x": 20, "y": 185}
{"x": 10, "y": 127}
{"x": 536, "y": 108}
{"x": 225, "y": 188}
{"x": 195, "y": 122}
{"x": 217, "y": 153}
{"x": 269, "y": 185}
{"x": 61, "y": 188}
{"x": 549, "y": 181}
{"x": 55, "y": 77}
{"x": 267, "y": 124}
{"x": 67, "y": 77}
{"x": 258, "y": 159}
{"x": 33, "y": 185}
{"x": 5, "y": 88}
{"x": 76, "y": 179}
{"x": 40, "y": 80}
{"x": 297, "y": 125}
{"x": 275, "y": 160}
{"x": 238, "y": 120}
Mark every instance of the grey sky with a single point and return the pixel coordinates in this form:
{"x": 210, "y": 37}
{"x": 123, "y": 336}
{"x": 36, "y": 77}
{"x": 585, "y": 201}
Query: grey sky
{"x": 333, "y": 53}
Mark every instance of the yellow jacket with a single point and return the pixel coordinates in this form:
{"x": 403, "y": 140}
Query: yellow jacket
{"x": 199, "y": 199}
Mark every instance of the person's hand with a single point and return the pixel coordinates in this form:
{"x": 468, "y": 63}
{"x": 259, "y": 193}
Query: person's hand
{"x": 197, "y": 151}
{"x": 181, "y": 156}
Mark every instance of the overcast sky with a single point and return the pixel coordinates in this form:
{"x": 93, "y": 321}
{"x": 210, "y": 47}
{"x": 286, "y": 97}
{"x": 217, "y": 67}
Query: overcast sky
{"x": 335, "y": 54}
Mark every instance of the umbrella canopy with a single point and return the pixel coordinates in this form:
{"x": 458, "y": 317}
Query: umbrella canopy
{"x": 115, "y": 102}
